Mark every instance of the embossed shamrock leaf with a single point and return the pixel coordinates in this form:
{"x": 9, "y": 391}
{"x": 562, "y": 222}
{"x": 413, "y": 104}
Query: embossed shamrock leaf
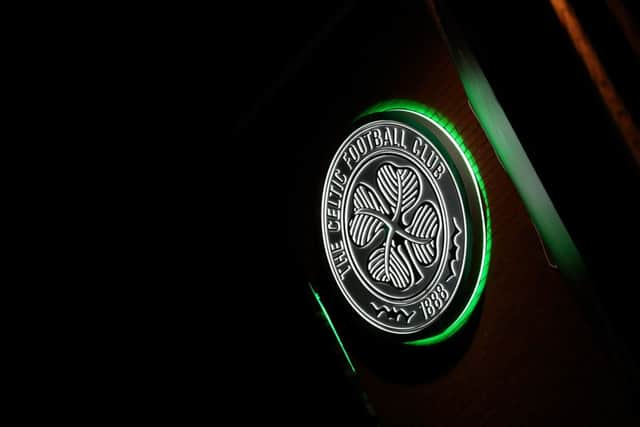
{"x": 410, "y": 233}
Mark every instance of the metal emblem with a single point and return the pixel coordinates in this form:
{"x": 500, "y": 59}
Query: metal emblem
{"x": 399, "y": 209}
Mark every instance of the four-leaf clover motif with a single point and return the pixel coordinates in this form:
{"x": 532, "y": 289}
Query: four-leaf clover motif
{"x": 410, "y": 233}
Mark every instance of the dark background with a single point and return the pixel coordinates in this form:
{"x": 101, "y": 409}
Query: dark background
{"x": 297, "y": 70}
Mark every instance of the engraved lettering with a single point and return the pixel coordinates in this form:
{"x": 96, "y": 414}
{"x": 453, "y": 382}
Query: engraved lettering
{"x": 442, "y": 292}
{"x": 334, "y": 200}
{"x": 376, "y": 137}
{"x": 435, "y": 300}
{"x": 354, "y": 153}
{"x": 335, "y": 194}
{"x": 401, "y": 142}
{"x": 439, "y": 171}
{"x": 339, "y": 178}
{"x": 335, "y": 189}
{"x": 360, "y": 145}
{"x": 428, "y": 309}
{"x": 369, "y": 141}
{"x": 333, "y": 213}
{"x": 347, "y": 160}
{"x": 339, "y": 257}
{"x": 388, "y": 139}
{"x": 432, "y": 159}
{"x": 417, "y": 147}
{"x": 335, "y": 246}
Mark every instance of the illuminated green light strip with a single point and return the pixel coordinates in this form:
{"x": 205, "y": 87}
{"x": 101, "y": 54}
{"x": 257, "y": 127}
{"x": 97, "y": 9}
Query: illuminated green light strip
{"x": 335, "y": 333}
{"x": 430, "y": 113}
{"x": 516, "y": 163}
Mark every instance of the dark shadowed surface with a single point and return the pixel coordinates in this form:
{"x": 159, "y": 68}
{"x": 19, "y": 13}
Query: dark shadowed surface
{"x": 529, "y": 356}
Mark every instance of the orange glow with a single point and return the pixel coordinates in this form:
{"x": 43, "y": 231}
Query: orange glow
{"x": 607, "y": 91}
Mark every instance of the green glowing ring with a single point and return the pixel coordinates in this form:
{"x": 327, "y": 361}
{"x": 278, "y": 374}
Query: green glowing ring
{"x": 449, "y": 128}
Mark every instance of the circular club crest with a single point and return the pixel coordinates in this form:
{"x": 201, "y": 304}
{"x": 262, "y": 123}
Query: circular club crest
{"x": 404, "y": 226}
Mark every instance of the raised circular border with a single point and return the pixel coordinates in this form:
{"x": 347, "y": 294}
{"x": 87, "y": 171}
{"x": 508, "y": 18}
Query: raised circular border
{"x": 420, "y": 112}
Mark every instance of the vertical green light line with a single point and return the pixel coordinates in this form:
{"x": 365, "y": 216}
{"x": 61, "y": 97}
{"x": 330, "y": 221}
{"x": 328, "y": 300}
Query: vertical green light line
{"x": 516, "y": 163}
{"x": 335, "y": 332}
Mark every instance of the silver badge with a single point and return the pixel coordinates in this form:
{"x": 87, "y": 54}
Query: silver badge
{"x": 401, "y": 213}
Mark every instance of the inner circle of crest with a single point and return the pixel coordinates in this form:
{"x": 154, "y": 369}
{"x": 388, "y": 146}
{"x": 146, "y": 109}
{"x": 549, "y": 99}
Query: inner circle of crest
{"x": 415, "y": 267}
